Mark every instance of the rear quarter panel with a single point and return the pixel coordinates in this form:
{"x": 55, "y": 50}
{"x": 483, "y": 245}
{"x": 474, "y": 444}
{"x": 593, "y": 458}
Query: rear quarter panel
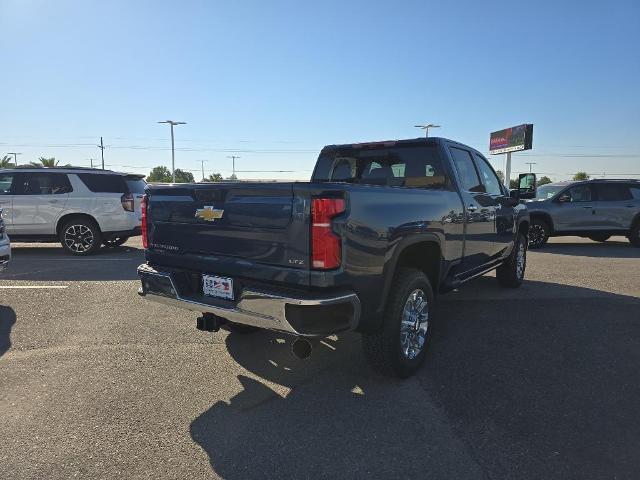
{"x": 379, "y": 221}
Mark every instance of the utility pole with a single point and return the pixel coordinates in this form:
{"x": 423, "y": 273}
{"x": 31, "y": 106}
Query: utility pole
{"x": 202, "y": 164}
{"x": 426, "y": 128}
{"x": 530, "y": 165}
{"x": 101, "y": 147}
{"x": 173, "y": 150}
{"x": 91, "y": 160}
{"x": 15, "y": 156}
{"x": 233, "y": 168}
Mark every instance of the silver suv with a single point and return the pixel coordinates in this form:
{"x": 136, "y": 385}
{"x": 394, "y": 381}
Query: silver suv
{"x": 80, "y": 207}
{"x": 596, "y": 209}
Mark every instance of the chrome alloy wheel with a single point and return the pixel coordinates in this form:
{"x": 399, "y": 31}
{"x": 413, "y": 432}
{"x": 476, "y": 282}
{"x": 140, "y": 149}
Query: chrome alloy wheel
{"x": 521, "y": 259}
{"x": 78, "y": 238}
{"x": 414, "y": 325}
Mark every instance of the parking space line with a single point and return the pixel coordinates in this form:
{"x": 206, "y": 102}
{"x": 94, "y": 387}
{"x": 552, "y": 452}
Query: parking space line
{"x": 21, "y": 287}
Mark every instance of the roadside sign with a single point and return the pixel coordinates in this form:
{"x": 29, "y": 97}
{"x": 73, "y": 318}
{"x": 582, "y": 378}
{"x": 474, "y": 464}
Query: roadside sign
{"x": 512, "y": 139}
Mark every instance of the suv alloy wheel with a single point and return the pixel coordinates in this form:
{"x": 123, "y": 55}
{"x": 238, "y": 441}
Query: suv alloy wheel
{"x": 80, "y": 236}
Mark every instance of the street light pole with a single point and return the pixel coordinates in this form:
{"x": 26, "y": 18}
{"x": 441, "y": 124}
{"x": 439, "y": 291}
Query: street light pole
{"x": 15, "y": 156}
{"x": 202, "y": 164}
{"x": 530, "y": 165}
{"x": 173, "y": 150}
{"x": 426, "y": 128}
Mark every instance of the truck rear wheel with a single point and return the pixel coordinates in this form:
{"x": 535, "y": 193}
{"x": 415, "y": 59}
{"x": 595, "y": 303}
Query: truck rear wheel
{"x": 511, "y": 272}
{"x": 399, "y": 347}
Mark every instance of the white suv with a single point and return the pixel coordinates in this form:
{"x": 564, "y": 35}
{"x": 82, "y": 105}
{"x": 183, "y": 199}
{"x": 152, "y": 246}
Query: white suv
{"x": 82, "y": 208}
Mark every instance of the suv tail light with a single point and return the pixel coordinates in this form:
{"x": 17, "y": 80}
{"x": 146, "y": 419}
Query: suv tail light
{"x": 326, "y": 249}
{"x": 143, "y": 226}
{"x": 127, "y": 202}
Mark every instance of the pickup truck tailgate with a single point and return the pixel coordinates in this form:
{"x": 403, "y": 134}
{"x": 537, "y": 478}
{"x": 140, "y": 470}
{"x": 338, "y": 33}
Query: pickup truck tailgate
{"x": 251, "y": 221}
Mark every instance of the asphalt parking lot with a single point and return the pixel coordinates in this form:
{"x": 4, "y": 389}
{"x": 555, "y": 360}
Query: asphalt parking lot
{"x": 540, "y": 382}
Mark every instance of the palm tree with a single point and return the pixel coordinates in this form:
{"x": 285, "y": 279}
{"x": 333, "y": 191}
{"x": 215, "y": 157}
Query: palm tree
{"x": 6, "y": 162}
{"x": 46, "y": 162}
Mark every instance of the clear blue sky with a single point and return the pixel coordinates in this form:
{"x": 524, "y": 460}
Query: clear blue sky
{"x": 274, "y": 81}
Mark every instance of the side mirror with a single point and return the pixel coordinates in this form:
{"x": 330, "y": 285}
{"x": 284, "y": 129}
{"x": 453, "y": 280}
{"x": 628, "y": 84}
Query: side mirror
{"x": 527, "y": 185}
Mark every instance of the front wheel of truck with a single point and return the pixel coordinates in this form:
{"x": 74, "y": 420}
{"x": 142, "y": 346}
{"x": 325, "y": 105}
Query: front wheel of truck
{"x": 400, "y": 346}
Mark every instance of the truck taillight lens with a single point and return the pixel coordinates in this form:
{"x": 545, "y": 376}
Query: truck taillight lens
{"x": 127, "y": 202}
{"x": 326, "y": 249}
{"x": 143, "y": 226}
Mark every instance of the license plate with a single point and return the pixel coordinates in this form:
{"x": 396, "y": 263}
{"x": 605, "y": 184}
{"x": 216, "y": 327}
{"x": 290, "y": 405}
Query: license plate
{"x": 214, "y": 286}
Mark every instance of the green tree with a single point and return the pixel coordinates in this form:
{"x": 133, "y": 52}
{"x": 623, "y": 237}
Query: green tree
{"x": 500, "y": 175}
{"x": 513, "y": 183}
{"x": 581, "y": 176}
{"x": 233, "y": 177}
{"x": 543, "y": 181}
{"x": 184, "y": 177}
{"x": 7, "y": 162}
{"x": 214, "y": 177}
{"x": 46, "y": 162}
{"x": 160, "y": 174}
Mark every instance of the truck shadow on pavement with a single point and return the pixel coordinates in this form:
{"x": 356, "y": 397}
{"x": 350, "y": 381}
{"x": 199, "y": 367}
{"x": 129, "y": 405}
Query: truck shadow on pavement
{"x": 608, "y": 249}
{"x": 513, "y": 387}
{"x": 7, "y": 319}
{"x": 53, "y": 264}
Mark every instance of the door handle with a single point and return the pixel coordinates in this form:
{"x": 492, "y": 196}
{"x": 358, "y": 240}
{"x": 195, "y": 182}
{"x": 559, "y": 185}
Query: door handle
{"x": 472, "y": 208}
{"x": 587, "y": 207}
{"x": 52, "y": 201}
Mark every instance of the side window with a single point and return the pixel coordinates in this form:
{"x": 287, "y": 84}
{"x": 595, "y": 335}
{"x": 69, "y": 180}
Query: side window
{"x": 635, "y": 191}
{"x": 104, "y": 182}
{"x": 45, "y": 184}
{"x": 488, "y": 177}
{"x": 6, "y": 180}
{"x": 579, "y": 193}
{"x": 466, "y": 170}
{"x": 612, "y": 192}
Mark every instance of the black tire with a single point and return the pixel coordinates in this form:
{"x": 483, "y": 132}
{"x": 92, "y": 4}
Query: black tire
{"x": 115, "y": 242}
{"x": 538, "y": 233}
{"x": 634, "y": 235}
{"x": 599, "y": 238}
{"x": 241, "y": 329}
{"x": 384, "y": 349}
{"x": 80, "y": 236}
{"x": 511, "y": 273}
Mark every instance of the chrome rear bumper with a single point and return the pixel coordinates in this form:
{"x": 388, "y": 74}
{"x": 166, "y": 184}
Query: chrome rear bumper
{"x": 308, "y": 315}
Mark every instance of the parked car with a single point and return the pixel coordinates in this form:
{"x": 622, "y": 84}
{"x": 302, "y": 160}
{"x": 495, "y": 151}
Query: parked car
{"x": 380, "y": 230}
{"x": 80, "y": 207}
{"x": 5, "y": 244}
{"x": 596, "y": 209}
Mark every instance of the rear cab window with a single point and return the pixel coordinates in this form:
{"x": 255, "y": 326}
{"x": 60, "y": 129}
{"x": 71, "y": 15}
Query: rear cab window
{"x": 396, "y": 166}
{"x": 104, "y": 182}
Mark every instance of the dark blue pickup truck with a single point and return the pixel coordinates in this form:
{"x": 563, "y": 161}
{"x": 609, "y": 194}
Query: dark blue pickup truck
{"x": 380, "y": 230}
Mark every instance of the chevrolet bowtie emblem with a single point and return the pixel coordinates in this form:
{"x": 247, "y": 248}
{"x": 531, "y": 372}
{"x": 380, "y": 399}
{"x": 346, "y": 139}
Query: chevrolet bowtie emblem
{"x": 208, "y": 213}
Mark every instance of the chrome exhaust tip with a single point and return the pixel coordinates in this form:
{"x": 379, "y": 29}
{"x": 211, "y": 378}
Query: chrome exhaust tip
{"x": 301, "y": 348}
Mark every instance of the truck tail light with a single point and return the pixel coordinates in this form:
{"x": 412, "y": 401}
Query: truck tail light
{"x": 127, "y": 202}
{"x": 143, "y": 226}
{"x": 326, "y": 249}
